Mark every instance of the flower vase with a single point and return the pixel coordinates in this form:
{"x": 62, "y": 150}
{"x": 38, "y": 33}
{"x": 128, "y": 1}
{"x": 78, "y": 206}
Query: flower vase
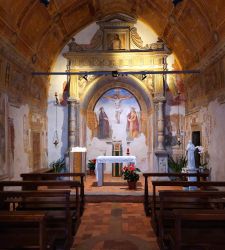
{"x": 91, "y": 171}
{"x": 132, "y": 185}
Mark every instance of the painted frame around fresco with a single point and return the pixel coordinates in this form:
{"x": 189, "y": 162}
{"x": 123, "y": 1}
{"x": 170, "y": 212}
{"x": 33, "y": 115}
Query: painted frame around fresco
{"x": 123, "y": 36}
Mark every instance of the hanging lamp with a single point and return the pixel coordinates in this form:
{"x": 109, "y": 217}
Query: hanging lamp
{"x": 55, "y": 135}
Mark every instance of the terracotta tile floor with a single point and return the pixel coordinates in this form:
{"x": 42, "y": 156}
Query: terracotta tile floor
{"x": 110, "y": 225}
{"x": 116, "y": 185}
{"x": 112, "y": 185}
{"x": 115, "y": 226}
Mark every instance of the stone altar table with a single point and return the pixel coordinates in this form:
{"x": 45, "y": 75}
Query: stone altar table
{"x": 99, "y": 165}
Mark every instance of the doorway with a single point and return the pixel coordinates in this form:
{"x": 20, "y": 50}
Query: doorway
{"x": 196, "y": 140}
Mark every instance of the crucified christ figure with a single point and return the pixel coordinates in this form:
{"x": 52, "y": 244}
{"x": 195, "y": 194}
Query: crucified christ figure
{"x": 117, "y": 98}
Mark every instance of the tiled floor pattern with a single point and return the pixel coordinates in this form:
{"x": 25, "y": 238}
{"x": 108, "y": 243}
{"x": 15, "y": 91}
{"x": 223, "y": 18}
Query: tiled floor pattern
{"x": 116, "y": 185}
{"x": 115, "y": 226}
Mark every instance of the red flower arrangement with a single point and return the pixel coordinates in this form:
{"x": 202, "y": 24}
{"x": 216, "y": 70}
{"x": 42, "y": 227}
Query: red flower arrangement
{"x": 130, "y": 173}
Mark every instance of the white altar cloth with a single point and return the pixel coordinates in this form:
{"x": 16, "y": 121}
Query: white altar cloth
{"x": 100, "y": 160}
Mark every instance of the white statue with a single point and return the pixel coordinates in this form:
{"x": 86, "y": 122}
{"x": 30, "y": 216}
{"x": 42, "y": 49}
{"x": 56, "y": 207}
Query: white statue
{"x": 191, "y": 155}
{"x": 191, "y": 163}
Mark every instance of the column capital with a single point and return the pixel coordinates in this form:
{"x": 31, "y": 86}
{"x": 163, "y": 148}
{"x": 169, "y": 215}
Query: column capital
{"x": 72, "y": 99}
{"x": 158, "y": 99}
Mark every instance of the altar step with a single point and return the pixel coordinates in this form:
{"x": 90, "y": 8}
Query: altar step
{"x": 95, "y": 198}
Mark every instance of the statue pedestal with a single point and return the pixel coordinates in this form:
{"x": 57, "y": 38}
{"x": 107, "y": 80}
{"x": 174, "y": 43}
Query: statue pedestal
{"x": 191, "y": 178}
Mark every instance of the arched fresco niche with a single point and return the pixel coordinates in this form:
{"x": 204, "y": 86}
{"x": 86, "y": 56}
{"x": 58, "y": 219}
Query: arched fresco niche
{"x": 129, "y": 119}
{"x": 118, "y": 116}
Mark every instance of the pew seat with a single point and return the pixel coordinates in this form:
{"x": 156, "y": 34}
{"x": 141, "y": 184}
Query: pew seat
{"x": 198, "y": 229}
{"x": 24, "y": 230}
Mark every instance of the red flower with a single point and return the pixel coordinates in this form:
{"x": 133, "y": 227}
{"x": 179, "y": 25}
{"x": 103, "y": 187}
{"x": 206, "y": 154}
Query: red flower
{"x": 132, "y": 168}
{"x": 130, "y": 173}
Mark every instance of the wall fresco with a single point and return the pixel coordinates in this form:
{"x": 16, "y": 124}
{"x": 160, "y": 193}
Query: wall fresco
{"x": 118, "y": 114}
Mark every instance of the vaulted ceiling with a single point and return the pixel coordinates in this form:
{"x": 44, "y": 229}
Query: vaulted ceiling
{"x": 191, "y": 29}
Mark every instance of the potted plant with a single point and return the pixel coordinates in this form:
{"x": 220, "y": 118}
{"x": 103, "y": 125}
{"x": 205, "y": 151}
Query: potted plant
{"x": 176, "y": 165}
{"x": 58, "y": 166}
{"x": 91, "y": 166}
{"x": 130, "y": 173}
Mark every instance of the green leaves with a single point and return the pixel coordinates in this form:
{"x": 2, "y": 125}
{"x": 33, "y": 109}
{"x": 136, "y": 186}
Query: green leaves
{"x": 130, "y": 173}
{"x": 58, "y": 166}
{"x": 177, "y": 164}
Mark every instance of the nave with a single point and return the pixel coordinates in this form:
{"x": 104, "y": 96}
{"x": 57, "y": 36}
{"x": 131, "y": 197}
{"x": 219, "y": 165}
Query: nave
{"x": 45, "y": 212}
{"x": 115, "y": 226}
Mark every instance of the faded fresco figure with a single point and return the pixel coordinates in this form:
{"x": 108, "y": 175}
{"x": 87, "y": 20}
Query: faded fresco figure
{"x": 115, "y": 43}
{"x": 117, "y": 98}
{"x": 103, "y": 124}
{"x": 132, "y": 124}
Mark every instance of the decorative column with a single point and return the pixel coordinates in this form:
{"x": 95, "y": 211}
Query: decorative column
{"x": 159, "y": 101}
{"x": 74, "y": 114}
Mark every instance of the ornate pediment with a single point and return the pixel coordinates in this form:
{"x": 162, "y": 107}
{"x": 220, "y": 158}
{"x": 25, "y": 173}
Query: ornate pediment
{"x": 116, "y": 33}
{"x": 117, "y": 20}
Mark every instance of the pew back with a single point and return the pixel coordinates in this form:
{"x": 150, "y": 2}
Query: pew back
{"x": 55, "y": 203}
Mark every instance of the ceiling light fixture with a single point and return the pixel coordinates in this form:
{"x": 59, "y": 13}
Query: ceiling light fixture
{"x": 45, "y": 2}
{"x": 85, "y": 77}
{"x": 115, "y": 74}
{"x": 175, "y": 2}
{"x": 143, "y": 76}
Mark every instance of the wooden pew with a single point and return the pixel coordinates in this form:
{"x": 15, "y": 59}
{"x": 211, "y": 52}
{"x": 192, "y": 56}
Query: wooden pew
{"x": 72, "y": 185}
{"x": 21, "y": 230}
{"x": 54, "y": 176}
{"x": 200, "y": 184}
{"x": 147, "y": 204}
{"x": 58, "y": 220}
{"x": 204, "y": 229}
{"x": 183, "y": 200}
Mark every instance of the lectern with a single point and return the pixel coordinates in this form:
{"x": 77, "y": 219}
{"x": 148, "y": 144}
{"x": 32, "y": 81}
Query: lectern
{"x": 78, "y": 160}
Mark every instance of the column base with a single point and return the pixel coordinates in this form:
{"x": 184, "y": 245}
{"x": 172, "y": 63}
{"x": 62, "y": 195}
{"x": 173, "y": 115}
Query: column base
{"x": 161, "y": 164}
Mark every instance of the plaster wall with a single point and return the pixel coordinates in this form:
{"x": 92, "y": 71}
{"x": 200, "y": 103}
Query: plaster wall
{"x": 57, "y": 84}
{"x": 20, "y": 161}
{"x": 205, "y": 108}
{"x": 210, "y": 122}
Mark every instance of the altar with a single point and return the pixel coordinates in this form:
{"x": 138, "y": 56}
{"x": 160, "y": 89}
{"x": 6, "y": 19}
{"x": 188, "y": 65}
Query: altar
{"x": 99, "y": 165}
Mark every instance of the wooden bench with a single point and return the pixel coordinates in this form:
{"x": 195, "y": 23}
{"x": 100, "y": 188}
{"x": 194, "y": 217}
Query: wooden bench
{"x": 53, "y": 176}
{"x": 183, "y": 200}
{"x": 147, "y": 203}
{"x": 24, "y": 230}
{"x": 202, "y": 229}
{"x": 74, "y": 186}
{"x": 58, "y": 220}
{"x": 200, "y": 184}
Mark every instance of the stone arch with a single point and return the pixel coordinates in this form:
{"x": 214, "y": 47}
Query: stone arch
{"x": 137, "y": 88}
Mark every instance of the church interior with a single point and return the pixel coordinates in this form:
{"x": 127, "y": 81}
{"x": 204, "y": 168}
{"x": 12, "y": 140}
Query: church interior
{"x": 96, "y": 94}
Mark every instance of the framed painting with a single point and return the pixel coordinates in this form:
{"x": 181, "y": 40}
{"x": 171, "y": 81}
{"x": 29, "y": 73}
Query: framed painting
{"x": 116, "y": 39}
